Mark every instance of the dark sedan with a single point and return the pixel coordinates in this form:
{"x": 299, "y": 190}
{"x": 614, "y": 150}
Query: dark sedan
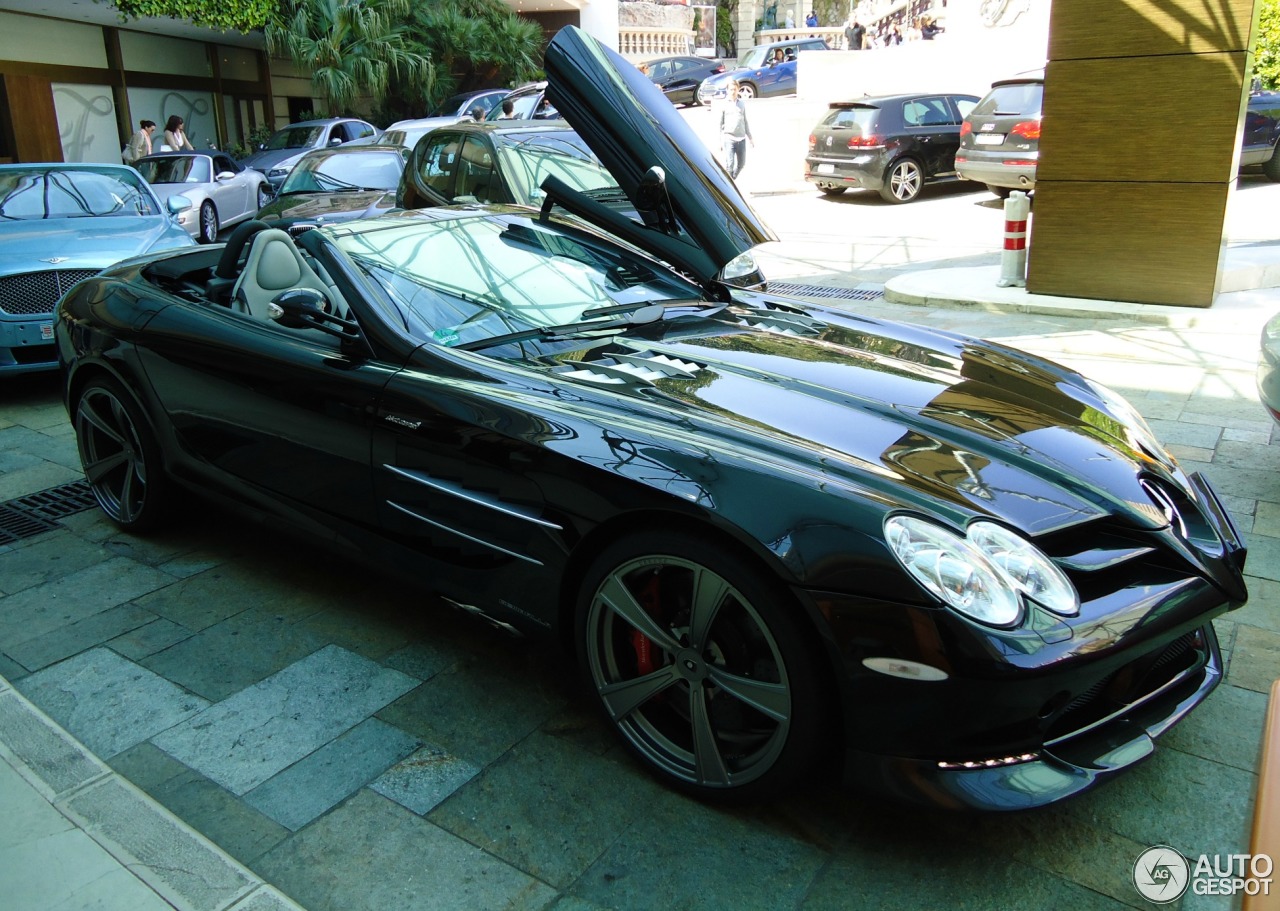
{"x": 338, "y": 184}
{"x": 680, "y": 77}
{"x": 893, "y": 144}
{"x": 774, "y": 538}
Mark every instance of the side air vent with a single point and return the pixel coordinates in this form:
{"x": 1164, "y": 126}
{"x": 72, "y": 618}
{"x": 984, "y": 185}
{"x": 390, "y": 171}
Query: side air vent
{"x": 629, "y": 369}
{"x": 785, "y": 322}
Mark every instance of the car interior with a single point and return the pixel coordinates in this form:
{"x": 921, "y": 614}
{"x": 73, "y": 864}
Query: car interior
{"x": 257, "y": 264}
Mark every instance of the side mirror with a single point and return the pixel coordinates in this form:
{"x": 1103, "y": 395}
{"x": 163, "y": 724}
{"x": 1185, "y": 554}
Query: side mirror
{"x": 262, "y": 147}
{"x": 306, "y": 308}
{"x": 224, "y": 175}
{"x": 179, "y": 203}
{"x": 653, "y": 202}
{"x": 335, "y": 141}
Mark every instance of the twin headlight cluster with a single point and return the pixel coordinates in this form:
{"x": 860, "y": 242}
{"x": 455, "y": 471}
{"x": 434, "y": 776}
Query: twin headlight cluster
{"x": 984, "y": 574}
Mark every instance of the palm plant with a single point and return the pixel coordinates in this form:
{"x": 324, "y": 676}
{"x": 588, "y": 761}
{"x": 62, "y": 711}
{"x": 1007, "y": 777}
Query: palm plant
{"x": 350, "y": 47}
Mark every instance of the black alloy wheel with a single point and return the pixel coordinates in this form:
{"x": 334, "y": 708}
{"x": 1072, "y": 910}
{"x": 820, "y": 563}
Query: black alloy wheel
{"x": 903, "y": 182}
{"x": 120, "y": 456}
{"x": 701, "y": 664}
{"x": 208, "y": 223}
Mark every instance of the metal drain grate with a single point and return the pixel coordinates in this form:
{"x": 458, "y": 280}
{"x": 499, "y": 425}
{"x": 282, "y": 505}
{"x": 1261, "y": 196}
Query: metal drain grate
{"x": 39, "y": 512}
{"x": 828, "y": 293}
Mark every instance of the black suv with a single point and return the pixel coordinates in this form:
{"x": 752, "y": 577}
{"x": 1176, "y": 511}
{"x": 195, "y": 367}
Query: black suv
{"x": 894, "y": 144}
{"x": 1000, "y": 139}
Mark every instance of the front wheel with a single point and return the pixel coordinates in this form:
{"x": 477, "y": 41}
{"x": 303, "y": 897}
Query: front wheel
{"x": 700, "y": 662}
{"x": 903, "y": 182}
{"x": 120, "y": 456}
{"x": 208, "y": 223}
{"x": 746, "y": 91}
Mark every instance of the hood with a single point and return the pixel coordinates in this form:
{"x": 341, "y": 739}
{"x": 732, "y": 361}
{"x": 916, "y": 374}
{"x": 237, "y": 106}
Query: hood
{"x": 85, "y": 243}
{"x": 930, "y": 422}
{"x": 267, "y": 159}
{"x": 326, "y": 208}
{"x": 702, "y": 222}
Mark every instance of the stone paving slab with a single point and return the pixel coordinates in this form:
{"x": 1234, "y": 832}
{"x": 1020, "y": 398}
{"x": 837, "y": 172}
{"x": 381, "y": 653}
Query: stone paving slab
{"x": 109, "y": 703}
{"x": 246, "y": 739}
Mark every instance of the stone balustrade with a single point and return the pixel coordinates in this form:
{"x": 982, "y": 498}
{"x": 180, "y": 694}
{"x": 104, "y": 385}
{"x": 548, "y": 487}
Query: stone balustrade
{"x": 641, "y": 42}
{"x": 833, "y": 35}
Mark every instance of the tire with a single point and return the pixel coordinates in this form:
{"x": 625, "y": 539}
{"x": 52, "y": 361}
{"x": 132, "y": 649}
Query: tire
{"x": 208, "y": 231}
{"x": 903, "y": 181}
{"x": 120, "y": 456}
{"x": 1271, "y": 167}
{"x": 1002, "y": 192}
{"x": 264, "y": 196}
{"x": 746, "y": 91}
{"x": 832, "y": 191}
{"x": 724, "y": 702}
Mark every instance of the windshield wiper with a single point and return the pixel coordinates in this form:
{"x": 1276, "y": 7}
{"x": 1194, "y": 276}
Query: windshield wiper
{"x": 651, "y": 313}
{"x": 665, "y": 305}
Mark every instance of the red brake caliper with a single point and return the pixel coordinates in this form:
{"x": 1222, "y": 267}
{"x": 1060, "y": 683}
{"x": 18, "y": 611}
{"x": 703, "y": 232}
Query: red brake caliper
{"x": 643, "y": 645}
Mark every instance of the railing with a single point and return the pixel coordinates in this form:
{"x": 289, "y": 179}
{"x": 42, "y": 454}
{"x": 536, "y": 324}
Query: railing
{"x": 833, "y": 35}
{"x": 640, "y": 42}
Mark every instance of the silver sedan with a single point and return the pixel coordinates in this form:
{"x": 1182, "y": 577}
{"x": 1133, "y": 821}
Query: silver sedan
{"x": 222, "y": 192}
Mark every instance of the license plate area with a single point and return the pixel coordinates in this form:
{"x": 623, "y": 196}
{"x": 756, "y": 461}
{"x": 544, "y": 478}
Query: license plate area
{"x": 989, "y": 139}
{"x": 826, "y": 169}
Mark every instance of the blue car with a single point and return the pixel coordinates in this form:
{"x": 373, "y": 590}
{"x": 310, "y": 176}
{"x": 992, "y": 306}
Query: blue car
{"x": 60, "y": 223}
{"x": 764, "y": 71}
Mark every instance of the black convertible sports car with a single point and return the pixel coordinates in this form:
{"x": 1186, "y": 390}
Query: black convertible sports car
{"x": 773, "y": 535}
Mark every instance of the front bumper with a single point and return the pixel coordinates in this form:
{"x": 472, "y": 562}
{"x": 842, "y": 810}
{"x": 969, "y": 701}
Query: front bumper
{"x": 1062, "y": 767}
{"x": 26, "y": 345}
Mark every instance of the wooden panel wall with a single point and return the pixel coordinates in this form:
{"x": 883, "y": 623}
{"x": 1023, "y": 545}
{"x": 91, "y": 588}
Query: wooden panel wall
{"x": 29, "y": 101}
{"x": 1139, "y": 149}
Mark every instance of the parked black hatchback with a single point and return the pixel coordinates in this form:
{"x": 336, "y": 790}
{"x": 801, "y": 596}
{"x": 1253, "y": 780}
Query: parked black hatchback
{"x": 894, "y": 144}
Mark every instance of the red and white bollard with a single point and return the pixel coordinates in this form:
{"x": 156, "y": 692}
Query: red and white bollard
{"x": 1013, "y": 262}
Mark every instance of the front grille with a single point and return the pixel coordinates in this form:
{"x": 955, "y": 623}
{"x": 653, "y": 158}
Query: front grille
{"x": 38, "y": 292}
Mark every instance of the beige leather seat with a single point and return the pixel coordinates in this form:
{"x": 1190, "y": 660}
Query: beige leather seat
{"x": 274, "y": 264}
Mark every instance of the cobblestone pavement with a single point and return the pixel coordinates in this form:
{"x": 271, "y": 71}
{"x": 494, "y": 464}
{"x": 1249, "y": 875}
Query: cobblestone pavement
{"x": 358, "y": 745}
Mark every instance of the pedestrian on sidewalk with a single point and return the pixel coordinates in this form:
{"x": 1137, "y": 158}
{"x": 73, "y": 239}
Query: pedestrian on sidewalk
{"x": 139, "y": 145}
{"x": 735, "y": 132}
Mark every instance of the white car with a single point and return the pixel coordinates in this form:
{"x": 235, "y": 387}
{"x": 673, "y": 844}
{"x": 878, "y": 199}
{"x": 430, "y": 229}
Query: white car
{"x": 222, "y": 192}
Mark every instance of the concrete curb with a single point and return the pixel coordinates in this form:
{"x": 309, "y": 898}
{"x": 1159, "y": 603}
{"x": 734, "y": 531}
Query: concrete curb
{"x": 185, "y": 869}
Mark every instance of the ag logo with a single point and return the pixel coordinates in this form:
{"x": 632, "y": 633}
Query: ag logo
{"x": 1160, "y": 874}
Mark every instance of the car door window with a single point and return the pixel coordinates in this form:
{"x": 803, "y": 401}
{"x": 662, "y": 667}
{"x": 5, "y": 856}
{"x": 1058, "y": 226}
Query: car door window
{"x": 964, "y": 106}
{"x": 435, "y": 168}
{"x": 476, "y": 179}
{"x": 199, "y": 172}
{"x": 927, "y": 112}
{"x": 223, "y": 163}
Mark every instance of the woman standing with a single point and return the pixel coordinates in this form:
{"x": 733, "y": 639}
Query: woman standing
{"x": 174, "y": 137}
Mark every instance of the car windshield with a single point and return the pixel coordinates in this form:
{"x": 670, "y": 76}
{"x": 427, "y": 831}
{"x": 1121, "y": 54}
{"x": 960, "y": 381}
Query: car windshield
{"x": 294, "y": 138}
{"x": 753, "y": 58}
{"x": 529, "y": 158}
{"x": 462, "y": 279}
{"x": 43, "y": 192}
{"x": 179, "y": 169}
{"x": 375, "y": 169}
{"x": 1022, "y": 98}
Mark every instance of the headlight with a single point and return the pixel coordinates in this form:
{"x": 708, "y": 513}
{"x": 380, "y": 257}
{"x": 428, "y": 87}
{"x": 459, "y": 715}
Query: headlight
{"x": 954, "y": 570}
{"x": 1031, "y": 572}
{"x": 982, "y": 574}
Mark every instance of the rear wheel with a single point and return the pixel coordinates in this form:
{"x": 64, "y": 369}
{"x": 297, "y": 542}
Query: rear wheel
{"x": 208, "y": 223}
{"x": 903, "y": 182}
{"x": 120, "y": 456}
{"x": 1271, "y": 167}
{"x": 700, "y": 662}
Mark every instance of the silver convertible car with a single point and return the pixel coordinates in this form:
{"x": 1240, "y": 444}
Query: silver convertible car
{"x": 222, "y": 191}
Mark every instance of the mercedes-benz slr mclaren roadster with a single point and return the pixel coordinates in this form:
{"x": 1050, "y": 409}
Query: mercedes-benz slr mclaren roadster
{"x": 778, "y": 539}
